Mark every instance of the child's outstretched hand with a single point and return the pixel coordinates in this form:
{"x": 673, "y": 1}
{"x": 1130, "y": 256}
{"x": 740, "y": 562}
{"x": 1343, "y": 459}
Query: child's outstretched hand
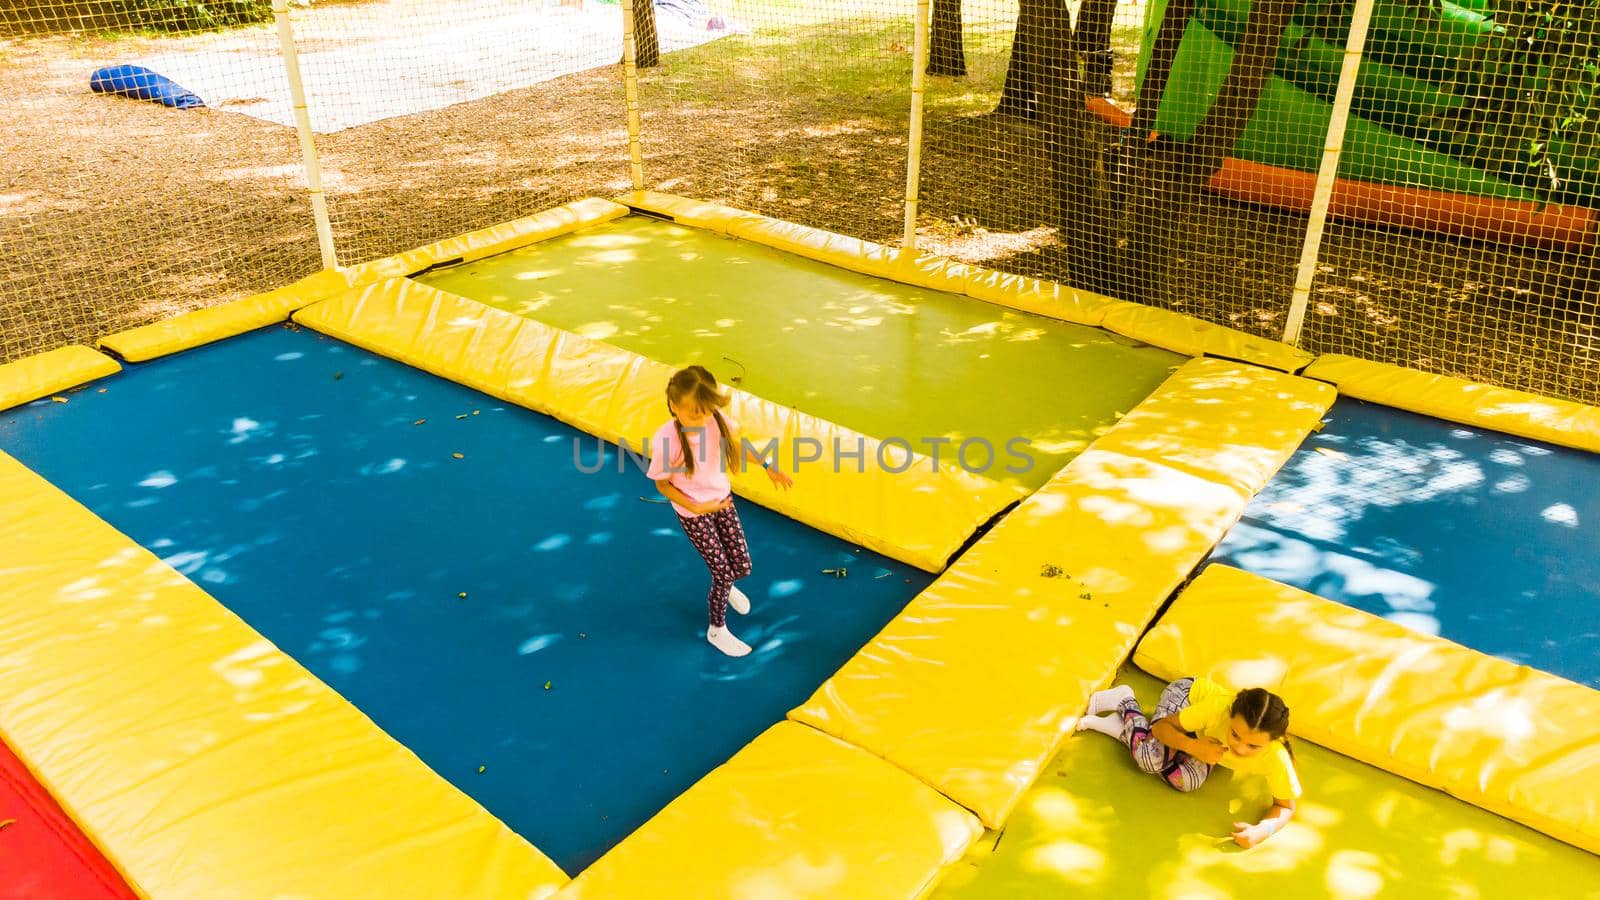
{"x": 1247, "y": 835}
{"x": 780, "y": 479}
{"x": 1209, "y": 750}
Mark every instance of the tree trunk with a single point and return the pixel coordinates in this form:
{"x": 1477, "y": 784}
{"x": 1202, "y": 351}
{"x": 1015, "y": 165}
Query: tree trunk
{"x": 1092, "y": 44}
{"x": 1019, "y": 96}
{"x": 1175, "y": 172}
{"x": 946, "y": 52}
{"x": 645, "y": 39}
{"x": 1175, "y": 19}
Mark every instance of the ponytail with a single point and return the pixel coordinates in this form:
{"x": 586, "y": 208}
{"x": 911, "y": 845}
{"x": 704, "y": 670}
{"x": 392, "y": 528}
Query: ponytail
{"x": 1263, "y": 710}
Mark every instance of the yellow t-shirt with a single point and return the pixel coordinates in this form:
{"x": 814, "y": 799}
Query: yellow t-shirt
{"x": 1209, "y": 714}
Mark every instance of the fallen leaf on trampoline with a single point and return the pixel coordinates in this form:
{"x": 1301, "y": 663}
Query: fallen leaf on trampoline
{"x": 459, "y": 455}
{"x": 58, "y": 399}
{"x": 419, "y": 421}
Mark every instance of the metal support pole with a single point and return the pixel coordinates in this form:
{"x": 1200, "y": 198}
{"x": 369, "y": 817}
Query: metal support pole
{"x": 630, "y": 89}
{"x": 302, "y": 124}
{"x": 919, "y": 78}
{"x": 1327, "y": 172}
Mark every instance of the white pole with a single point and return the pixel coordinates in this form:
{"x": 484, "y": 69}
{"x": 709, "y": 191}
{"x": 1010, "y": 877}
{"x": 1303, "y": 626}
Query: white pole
{"x": 302, "y": 124}
{"x": 919, "y": 78}
{"x": 630, "y": 90}
{"x": 1353, "y": 49}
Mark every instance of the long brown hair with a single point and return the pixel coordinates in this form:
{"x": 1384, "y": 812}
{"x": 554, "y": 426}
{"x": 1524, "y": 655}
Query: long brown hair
{"x": 1262, "y": 710}
{"x": 695, "y": 386}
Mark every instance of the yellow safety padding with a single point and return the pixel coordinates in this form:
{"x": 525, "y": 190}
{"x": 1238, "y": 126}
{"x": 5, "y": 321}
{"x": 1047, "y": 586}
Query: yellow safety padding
{"x": 1520, "y": 413}
{"x": 204, "y": 326}
{"x": 973, "y": 685}
{"x": 202, "y": 760}
{"x": 1192, "y": 337}
{"x": 925, "y": 270}
{"x": 1505, "y": 737}
{"x": 473, "y": 245}
{"x": 1045, "y": 298}
{"x": 919, "y": 516}
{"x": 43, "y": 374}
{"x": 977, "y": 680}
{"x": 1223, "y": 420}
{"x": 794, "y": 814}
{"x": 688, "y": 211}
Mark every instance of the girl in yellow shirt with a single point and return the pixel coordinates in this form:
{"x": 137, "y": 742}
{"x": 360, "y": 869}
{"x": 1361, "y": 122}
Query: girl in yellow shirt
{"x": 1199, "y": 724}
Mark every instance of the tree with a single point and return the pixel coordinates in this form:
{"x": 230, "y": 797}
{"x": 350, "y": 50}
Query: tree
{"x": 646, "y": 42}
{"x": 946, "y": 53}
{"x": 1019, "y": 96}
{"x": 1092, "y": 44}
{"x": 1172, "y": 173}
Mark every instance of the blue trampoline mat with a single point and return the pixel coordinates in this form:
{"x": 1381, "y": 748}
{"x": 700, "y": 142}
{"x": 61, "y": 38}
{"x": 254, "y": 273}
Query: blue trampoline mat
{"x": 1488, "y": 540}
{"x": 283, "y": 472}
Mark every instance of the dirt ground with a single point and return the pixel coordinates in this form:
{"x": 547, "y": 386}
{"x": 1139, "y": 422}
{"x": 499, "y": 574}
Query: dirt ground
{"x": 116, "y": 212}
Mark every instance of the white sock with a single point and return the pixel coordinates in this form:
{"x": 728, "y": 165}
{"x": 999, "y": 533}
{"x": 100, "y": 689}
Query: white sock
{"x": 1110, "y": 724}
{"x": 723, "y": 639}
{"x": 1109, "y": 700}
{"x": 739, "y": 602}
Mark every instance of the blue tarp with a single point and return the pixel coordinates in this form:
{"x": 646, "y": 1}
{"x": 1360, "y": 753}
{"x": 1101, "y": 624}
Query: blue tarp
{"x": 142, "y": 84}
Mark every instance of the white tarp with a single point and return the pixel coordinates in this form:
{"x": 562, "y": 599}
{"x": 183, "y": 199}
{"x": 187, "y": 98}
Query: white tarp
{"x": 375, "y": 61}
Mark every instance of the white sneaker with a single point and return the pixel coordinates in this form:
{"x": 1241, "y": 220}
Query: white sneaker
{"x": 723, "y": 639}
{"x": 1109, "y": 700}
{"x": 1107, "y": 724}
{"x": 739, "y": 602}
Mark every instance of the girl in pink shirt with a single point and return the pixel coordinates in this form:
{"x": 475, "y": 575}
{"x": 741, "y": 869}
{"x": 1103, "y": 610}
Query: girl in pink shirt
{"x": 690, "y": 458}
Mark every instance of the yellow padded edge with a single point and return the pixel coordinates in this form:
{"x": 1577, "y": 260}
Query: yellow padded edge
{"x": 51, "y": 372}
{"x": 1222, "y": 420}
{"x": 975, "y": 683}
{"x": 1501, "y": 409}
{"x": 203, "y": 326}
{"x": 1192, "y": 337}
{"x": 1517, "y": 742}
{"x": 919, "y": 516}
{"x": 794, "y": 814}
{"x": 688, "y": 211}
{"x": 540, "y": 226}
{"x": 200, "y": 758}
{"x": 924, "y": 270}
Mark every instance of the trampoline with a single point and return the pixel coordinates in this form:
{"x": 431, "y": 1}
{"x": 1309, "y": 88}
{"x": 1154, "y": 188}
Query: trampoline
{"x": 886, "y": 359}
{"x": 286, "y": 473}
{"x": 1094, "y": 825}
{"x": 1479, "y": 537}
{"x": 346, "y": 588}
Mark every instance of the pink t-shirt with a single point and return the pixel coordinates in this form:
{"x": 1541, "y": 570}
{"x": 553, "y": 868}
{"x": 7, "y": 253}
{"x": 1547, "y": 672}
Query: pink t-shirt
{"x": 710, "y": 479}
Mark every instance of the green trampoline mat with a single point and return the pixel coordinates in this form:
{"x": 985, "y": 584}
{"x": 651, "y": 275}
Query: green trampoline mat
{"x": 882, "y": 358}
{"x": 1095, "y": 826}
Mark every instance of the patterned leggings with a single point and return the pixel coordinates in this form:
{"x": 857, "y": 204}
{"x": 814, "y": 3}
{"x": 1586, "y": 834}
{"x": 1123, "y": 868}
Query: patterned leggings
{"x": 1179, "y": 769}
{"x": 720, "y": 539}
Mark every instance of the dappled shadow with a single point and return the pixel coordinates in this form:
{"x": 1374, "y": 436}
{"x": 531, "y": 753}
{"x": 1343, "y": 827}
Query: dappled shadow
{"x": 1095, "y": 825}
{"x": 885, "y": 359}
{"x": 1483, "y": 539}
{"x": 441, "y": 561}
